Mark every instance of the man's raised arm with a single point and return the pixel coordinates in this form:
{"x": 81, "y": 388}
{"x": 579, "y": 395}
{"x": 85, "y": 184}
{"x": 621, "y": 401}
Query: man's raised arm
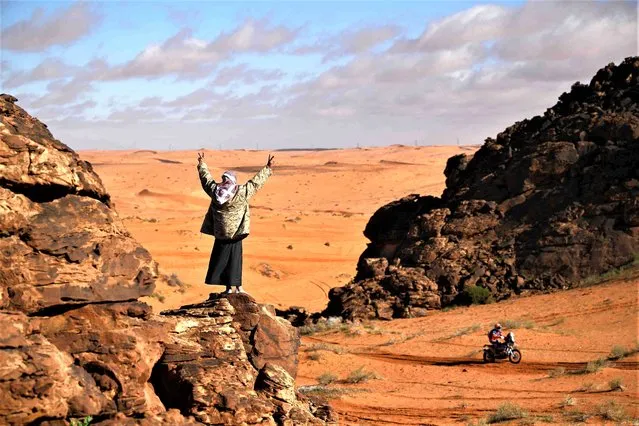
{"x": 206, "y": 179}
{"x": 253, "y": 185}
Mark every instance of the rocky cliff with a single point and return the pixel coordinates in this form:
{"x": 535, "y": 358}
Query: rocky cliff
{"x": 549, "y": 202}
{"x": 74, "y": 339}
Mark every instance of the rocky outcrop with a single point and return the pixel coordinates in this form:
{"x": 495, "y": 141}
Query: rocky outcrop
{"x": 74, "y": 340}
{"x": 213, "y": 367}
{"x": 549, "y": 202}
{"x": 61, "y": 242}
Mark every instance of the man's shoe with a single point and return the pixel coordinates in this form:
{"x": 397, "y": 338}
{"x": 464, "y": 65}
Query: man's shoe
{"x": 239, "y": 289}
{"x": 227, "y": 291}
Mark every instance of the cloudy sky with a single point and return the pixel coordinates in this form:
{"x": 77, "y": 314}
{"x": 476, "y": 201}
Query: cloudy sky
{"x": 184, "y": 75}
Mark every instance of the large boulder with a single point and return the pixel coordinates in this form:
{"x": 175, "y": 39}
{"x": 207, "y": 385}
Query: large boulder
{"x": 37, "y": 380}
{"x": 61, "y": 242}
{"x": 548, "y": 203}
{"x": 212, "y": 370}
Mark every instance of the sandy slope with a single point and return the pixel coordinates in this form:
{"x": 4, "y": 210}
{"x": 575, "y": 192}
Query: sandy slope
{"x": 318, "y": 202}
{"x": 432, "y": 372}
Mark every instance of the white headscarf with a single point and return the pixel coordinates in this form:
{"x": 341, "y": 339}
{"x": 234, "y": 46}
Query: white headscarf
{"x": 226, "y": 190}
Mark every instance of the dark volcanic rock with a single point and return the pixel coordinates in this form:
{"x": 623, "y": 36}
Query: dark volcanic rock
{"x": 549, "y": 202}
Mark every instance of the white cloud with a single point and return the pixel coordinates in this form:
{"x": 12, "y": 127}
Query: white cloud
{"x": 254, "y": 36}
{"x": 467, "y": 75}
{"x": 242, "y": 73}
{"x": 474, "y": 25}
{"x": 40, "y": 32}
{"x": 188, "y": 57}
{"x": 49, "y": 69}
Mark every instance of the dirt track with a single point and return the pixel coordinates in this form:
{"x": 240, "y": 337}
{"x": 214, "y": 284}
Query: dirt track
{"x": 432, "y": 372}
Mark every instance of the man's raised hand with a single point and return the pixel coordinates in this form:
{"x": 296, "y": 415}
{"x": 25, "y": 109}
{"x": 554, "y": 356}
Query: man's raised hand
{"x": 200, "y": 157}
{"x": 271, "y": 161}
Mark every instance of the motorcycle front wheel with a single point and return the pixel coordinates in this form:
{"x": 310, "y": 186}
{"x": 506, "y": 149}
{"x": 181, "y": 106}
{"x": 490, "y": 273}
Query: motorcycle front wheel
{"x": 515, "y": 356}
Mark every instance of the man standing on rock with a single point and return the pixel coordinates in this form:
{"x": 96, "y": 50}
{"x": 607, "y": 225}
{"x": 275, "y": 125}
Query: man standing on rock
{"x": 228, "y": 220}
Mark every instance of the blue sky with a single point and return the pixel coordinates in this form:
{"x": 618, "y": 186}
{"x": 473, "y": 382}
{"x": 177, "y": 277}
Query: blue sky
{"x": 124, "y": 75}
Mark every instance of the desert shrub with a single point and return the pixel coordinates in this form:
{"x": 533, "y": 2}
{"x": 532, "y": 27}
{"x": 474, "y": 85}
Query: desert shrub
{"x": 612, "y": 411}
{"x": 360, "y": 376}
{"x": 323, "y": 391}
{"x": 328, "y": 325}
{"x": 557, "y": 372}
{"x": 326, "y": 379}
{"x": 616, "y": 384}
{"x": 158, "y": 296}
{"x": 507, "y": 411}
{"x": 86, "y": 421}
{"x": 592, "y": 366}
{"x": 587, "y": 387}
{"x": 315, "y": 356}
{"x": 174, "y": 281}
{"x": 475, "y": 295}
{"x": 467, "y": 330}
{"x": 619, "y": 352}
{"x": 576, "y": 416}
{"x": 568, "y": 401}
{"x": 325, "y": 347}
{"x": 514, "y": 324}
{"x": 596, "y": 365}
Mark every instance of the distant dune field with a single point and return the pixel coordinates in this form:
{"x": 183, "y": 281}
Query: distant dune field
{"x": 307, "y": 221}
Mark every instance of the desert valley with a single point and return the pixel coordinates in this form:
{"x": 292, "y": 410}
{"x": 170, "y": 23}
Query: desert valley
{"x": 422, "y": 371}
{"x": 391, "y": 263}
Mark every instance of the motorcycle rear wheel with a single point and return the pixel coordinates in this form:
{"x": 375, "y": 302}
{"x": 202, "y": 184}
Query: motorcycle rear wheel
{"x": 515, "y": 356}
{"x": 489, "y": 356}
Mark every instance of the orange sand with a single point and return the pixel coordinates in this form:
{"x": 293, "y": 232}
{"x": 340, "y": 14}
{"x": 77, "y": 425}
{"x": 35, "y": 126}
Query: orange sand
{"x": 431, "y": 372}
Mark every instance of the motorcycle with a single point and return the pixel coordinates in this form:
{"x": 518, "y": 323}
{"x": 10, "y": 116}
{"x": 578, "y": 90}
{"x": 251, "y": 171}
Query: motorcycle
{"x": 507, "y": 350}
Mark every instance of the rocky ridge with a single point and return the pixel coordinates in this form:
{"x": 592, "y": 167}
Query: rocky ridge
{"x": 549, "y": 202}
{"x": 76, "y": 342}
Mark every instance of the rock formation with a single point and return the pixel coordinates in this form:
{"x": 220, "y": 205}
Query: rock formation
{"x": 74, "y": 340}
{"x": 551, "y": 201}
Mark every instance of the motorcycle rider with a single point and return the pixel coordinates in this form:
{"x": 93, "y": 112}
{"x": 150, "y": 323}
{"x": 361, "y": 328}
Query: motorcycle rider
{"x": 494, "y": 336}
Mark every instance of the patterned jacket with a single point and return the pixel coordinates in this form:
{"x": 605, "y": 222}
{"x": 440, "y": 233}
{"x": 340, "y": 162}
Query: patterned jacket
{"x": 231, "y": 220}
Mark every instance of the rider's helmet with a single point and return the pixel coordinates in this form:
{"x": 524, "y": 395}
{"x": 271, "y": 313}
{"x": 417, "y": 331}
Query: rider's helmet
{"x": 498, "y": 326}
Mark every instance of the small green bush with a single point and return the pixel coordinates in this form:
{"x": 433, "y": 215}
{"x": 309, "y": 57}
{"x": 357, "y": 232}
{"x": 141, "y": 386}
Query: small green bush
{"x": 596, "y": 365}
{"x": 515, "y": 324}
{"x": 611, "y": 410}
{"x": 568, "y": 401}
{"x": 616, "y": 384}
{"x": 619, "y": 352}
{"x": 360, "y": 376}
{"x": 324, "y": 392}
{"x": 314, "y": 356}
{"x": 592, "y": 366}
{"x": 557, "y": 372}
{"x": 507, "y": 411}
{"x": 326, "y": 379}
{"x": 576, "y": 416}
{"x": 86, "y": 421}
{"x": 475, "y": 295}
